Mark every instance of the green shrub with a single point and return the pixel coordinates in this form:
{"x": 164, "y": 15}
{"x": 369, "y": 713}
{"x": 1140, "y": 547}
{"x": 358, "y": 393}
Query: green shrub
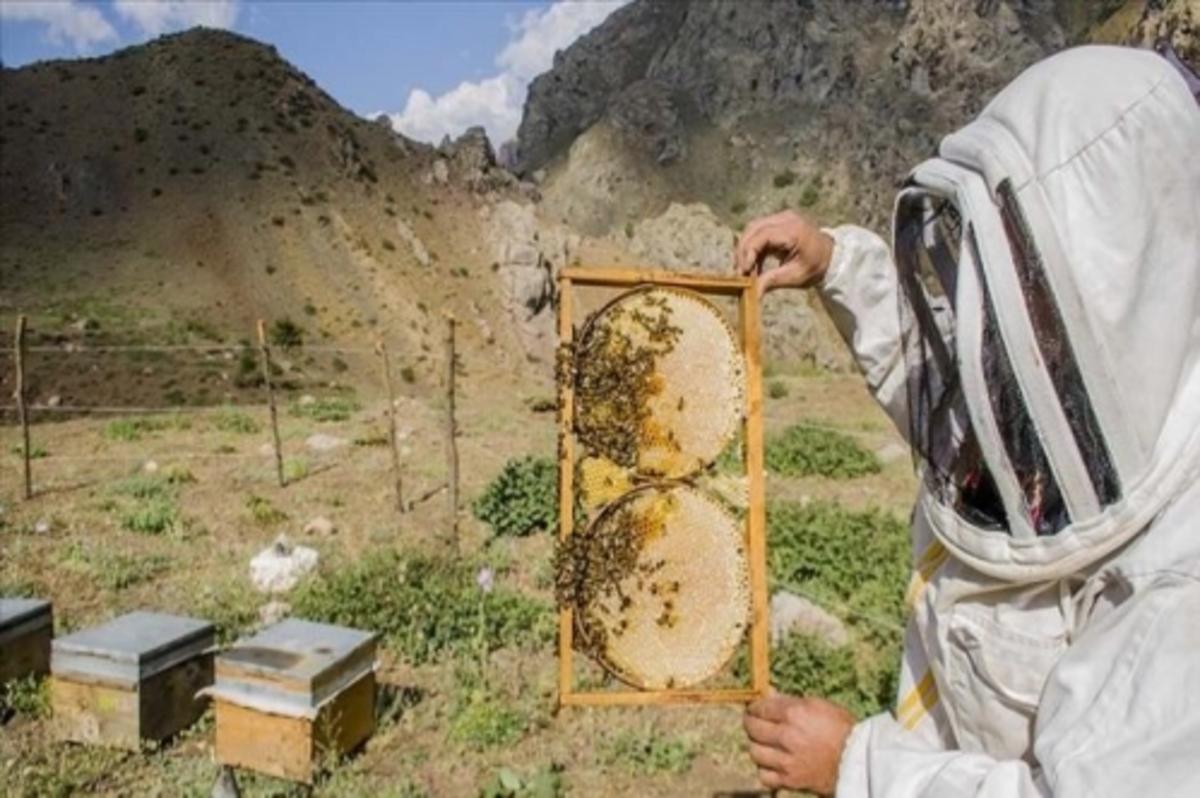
{"x": 522, "y": 499}
{"x": 132, "y": 429}
{"x": 777, "y": 389}
{"x": 807, "y": 451}
{"x": 28, "y": 696}
{"x": 856, "y": 563}
{"x": 482, "y": 721}
{"x": 804, "y": 665}
{"x": 784, "y": 179}
{"x": 285, "y": 333}
{"x": 235, "y": 421}
{"x": 151, "y": 516}
{"x": 424, "y": 607}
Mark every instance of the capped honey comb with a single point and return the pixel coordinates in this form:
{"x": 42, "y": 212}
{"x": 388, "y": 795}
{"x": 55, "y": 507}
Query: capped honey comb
{"x": 601, "y": 481}
{"x": 660, "y": 585}
{"x": 658, "y": 382}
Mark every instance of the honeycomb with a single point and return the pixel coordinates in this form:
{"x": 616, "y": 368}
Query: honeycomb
{"x": 660, "y": 586}
{"x": 649, "y": 397}
{"x": 600, "y": 481}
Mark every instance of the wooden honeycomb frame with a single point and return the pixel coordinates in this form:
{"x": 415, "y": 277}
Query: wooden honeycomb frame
{"x": 748, "y": 328}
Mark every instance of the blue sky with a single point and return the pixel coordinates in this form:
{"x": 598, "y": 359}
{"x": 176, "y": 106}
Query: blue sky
{"x": 434, "y": 66}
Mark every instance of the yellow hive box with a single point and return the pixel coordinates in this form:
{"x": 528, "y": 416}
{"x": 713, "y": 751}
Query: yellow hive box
{"x": 26, "y": 629}
{"x": 131, "y": 680}
{"x": 293, "y": 697}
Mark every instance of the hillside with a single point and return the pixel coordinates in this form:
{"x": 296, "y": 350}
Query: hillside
{"x": 176, "y": 192}
{"x": 822, "y": 105}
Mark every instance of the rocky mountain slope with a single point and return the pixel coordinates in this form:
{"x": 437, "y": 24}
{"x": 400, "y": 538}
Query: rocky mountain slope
{"x": 818, "y": 103}
{"x": 179, "y": 191}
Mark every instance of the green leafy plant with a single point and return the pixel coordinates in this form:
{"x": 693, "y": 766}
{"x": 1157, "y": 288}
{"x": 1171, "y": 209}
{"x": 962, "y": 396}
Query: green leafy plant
{"x": 522, "y": 499}
{"x": 264, "y": 512}
{"x": 546, "y": 782}
{"x": 133, "y": 429}
{"x": 151, "y": 517}
{"x": 425, "y": 607}
{"x": 777, "y": 389}
{"x": 483, "y": 721}
{"x": 28, "y": 697}
{"x": 804, "y": 451}
{"x": 148, "y": 503}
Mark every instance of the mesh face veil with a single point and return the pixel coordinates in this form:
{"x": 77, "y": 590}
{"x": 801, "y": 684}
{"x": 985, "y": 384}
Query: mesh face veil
{"x": 931, "y": 240}
{"x": 927, "y": 247}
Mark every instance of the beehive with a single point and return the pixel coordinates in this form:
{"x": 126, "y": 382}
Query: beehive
{"x": 131, "y": 680}
{"x": 660, "y": 570}
{"x": 26, "y": 629}
{"x": 293, "y": 697}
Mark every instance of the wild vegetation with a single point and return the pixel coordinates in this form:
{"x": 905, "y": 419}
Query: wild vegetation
{"x": 466, "y": 622}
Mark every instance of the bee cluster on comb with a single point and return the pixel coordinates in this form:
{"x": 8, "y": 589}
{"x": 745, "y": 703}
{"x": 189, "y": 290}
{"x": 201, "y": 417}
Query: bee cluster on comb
{"x": 655, "y": 571}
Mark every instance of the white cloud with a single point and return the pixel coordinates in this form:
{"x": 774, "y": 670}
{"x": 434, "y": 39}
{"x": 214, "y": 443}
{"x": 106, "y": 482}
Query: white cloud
{"x": 540, "y": 34}
{"x": 154, "y": 17}
{"x": 496, "y": 102}
{"x": 80, "y": 25}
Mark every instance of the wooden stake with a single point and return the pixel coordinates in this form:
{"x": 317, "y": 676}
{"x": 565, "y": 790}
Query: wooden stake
{"x": 22, "y": 410}
{"x": 266, "y": 366}
{"x": 381, "y": 349}
{"x": 452, "y": 429}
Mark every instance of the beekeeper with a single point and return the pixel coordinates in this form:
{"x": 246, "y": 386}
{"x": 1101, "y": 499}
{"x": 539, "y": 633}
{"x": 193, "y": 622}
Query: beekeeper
{"x": 1034, "y": 331}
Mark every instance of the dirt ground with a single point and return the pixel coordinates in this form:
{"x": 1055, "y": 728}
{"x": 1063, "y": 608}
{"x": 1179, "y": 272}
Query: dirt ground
{"x": 67, "y": 544}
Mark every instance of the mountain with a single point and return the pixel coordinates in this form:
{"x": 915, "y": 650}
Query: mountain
{"x": 179, "y": 191}
{"x": 820, "y": 104}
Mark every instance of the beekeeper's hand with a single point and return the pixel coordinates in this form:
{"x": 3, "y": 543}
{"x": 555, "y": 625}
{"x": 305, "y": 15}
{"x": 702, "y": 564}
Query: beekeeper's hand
{"x": 803, "y": 251}
{"x": 797, "y": 742}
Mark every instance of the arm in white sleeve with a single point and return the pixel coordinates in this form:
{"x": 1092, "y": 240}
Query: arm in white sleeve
{"x": 859, "y": 293}
{"x": 1119, "y": 716}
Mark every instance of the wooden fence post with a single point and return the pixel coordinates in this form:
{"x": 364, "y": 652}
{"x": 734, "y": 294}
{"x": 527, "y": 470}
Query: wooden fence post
{"x": 22, "y": 411}
{"x": 452, "y": 429}
{"x": 381, "y": 349}
{"x": 266, "y": 366}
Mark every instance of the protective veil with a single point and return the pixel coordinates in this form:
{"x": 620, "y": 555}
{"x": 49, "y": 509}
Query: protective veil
{"x": 1072, "y": 266}
{"x": 1045, "y": 365}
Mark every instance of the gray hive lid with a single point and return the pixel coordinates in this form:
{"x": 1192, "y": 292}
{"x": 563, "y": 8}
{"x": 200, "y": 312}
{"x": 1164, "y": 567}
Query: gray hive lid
{"x": 19, "y": 616}
{"x": 131, "y": 648}
{"x": 293, "y": 667}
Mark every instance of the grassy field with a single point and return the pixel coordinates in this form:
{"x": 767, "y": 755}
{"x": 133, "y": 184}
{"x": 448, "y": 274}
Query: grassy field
{"x": 163, "y": 512}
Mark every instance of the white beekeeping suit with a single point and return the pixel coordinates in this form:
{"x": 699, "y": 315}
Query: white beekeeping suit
{"x": 1045, "y": 362}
